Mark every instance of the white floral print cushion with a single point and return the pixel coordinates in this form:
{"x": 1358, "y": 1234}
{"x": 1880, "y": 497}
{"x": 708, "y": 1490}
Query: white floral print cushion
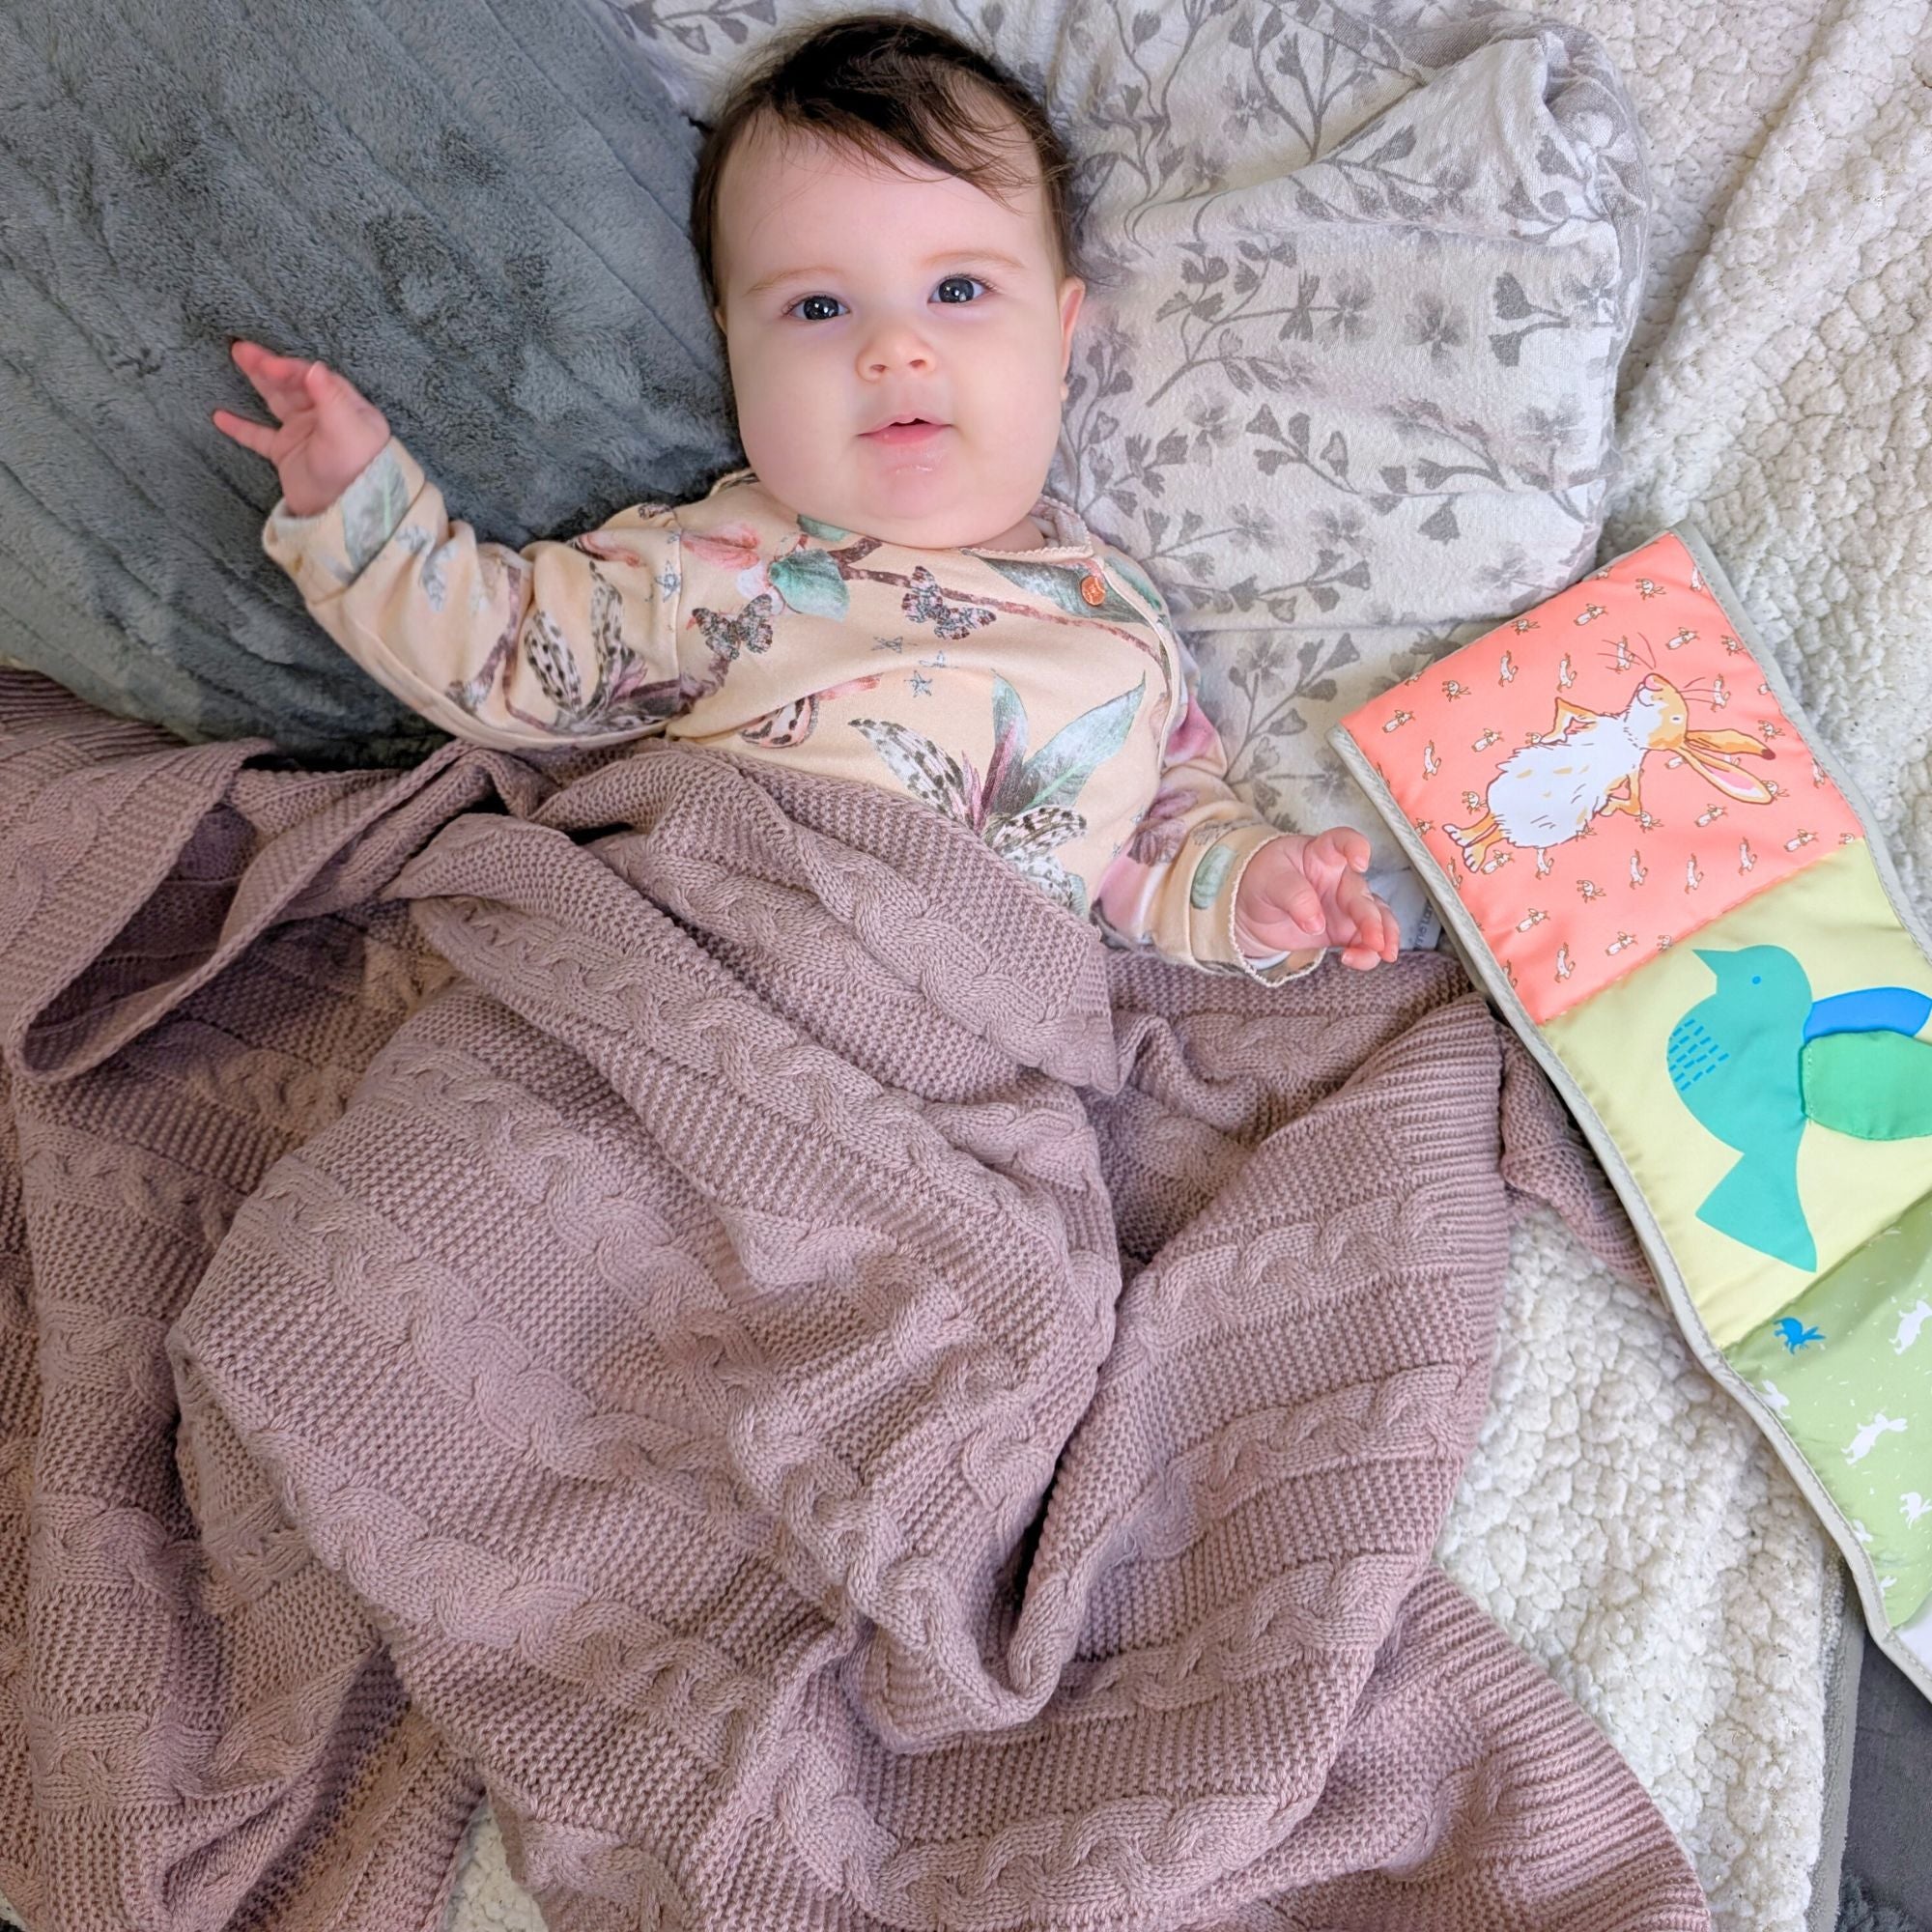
{"x": 1345, "y": 375}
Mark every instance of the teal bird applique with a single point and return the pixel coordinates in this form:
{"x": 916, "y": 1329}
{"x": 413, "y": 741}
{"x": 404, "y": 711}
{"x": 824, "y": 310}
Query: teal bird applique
{"x": 1758, "y": 1060}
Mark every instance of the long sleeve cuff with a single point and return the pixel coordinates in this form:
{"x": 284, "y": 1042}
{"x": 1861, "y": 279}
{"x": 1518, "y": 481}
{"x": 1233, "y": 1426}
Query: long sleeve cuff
{"x": 326, "y": 552}
{"x": 1212, "y": 930}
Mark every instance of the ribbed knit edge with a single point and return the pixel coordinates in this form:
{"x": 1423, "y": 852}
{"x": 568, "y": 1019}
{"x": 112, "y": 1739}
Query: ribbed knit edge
{"x": 1581, "y": 1828}
{"x": 425, "y": 1818}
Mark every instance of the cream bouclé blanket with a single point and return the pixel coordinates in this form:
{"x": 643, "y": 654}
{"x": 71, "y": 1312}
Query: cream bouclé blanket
{"x": 694, "y": 1301}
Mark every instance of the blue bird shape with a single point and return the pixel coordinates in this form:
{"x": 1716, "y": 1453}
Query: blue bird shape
{"x": 1794, "y": 1334}
{"x": 1759, "y": 1059}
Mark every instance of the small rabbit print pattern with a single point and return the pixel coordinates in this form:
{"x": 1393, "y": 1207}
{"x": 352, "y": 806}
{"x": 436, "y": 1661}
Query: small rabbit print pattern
{"x": 1612, "y": 776}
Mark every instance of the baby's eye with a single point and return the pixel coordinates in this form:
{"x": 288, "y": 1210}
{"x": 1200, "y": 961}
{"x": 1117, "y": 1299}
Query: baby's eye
{"x": 948, "y": 282}
{"x": 800, "y": 306}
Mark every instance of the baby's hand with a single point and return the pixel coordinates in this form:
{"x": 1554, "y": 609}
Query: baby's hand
{"x": 329, "y": 429}
{"x": 1299, "y": 893}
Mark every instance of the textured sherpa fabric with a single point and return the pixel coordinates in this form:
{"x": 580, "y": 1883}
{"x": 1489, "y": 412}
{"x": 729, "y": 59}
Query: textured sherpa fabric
{"x": 833, "y": 1397}
{"x": 472, "y": 210}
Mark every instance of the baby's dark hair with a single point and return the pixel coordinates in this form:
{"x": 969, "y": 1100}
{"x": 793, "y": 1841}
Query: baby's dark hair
{"x": 890, "y": 87}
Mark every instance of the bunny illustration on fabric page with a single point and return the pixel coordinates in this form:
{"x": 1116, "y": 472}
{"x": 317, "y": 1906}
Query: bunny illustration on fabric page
{"x": 1589, "y": 764}
{"x": 1601, "y": 775}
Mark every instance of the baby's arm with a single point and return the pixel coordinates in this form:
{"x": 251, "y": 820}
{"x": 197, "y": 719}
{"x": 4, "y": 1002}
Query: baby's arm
{"x": 558, "y": 641}
{"x": 1172, "y": 886}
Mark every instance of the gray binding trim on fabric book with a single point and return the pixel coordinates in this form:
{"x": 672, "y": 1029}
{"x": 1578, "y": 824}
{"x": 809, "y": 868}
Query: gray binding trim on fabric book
{"x": 1470, "y": 945}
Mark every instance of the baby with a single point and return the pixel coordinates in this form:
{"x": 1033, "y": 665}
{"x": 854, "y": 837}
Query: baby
{"x": 883, "y": 592}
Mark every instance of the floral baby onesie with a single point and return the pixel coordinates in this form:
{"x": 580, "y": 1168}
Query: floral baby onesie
{"x": 1040, "y": 698}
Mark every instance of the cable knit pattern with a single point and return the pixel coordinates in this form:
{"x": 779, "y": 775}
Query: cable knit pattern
{"x": 688, "y": 1297}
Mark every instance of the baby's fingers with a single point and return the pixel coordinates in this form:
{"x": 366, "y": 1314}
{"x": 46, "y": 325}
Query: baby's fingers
{"x": 258, "y": 437}
{"x": 1374, "y": 923}
{"x": 1299, "y": 904}
{"x": 1376, "y": 938}
{"x": 278, "y": 380}
{"x": 1376, "y": 932}
{"x": 1342, "y": 845}
{"x": 329, "y": 389}
{"x": 1388, "y": 935}
{"x": 1391, "y": 933}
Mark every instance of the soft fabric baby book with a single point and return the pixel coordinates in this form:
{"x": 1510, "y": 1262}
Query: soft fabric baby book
{"x": 1673, "y": 892}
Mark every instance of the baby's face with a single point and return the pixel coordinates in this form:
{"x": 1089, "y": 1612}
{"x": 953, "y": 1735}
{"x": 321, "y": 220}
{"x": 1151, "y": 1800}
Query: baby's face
{"x": 894, "y": 296}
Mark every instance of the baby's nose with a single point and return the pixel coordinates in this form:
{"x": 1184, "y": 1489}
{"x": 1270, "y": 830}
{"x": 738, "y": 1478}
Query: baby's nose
{"x": 895, "y": 343}
{"x": 912, "y": 357}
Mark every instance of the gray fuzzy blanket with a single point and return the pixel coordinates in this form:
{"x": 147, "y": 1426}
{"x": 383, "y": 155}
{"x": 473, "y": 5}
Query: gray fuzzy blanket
{"x": 473, "y": 211}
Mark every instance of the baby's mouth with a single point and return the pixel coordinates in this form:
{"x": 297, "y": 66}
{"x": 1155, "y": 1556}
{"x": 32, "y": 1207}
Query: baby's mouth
{"x": 905, "y": 432}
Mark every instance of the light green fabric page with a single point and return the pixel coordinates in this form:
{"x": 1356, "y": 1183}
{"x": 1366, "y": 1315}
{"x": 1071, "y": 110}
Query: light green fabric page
{"x": 1848, "y": 1368}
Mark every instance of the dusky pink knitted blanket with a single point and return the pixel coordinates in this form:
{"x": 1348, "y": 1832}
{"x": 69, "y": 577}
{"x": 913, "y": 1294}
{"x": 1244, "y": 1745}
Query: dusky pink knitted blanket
{"x": 696, "y": 1301}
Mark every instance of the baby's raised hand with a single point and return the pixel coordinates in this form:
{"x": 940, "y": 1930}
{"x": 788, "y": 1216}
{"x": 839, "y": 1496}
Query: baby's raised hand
{"x": 1299, "y": 893}
{"x": 328, "y": 433}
